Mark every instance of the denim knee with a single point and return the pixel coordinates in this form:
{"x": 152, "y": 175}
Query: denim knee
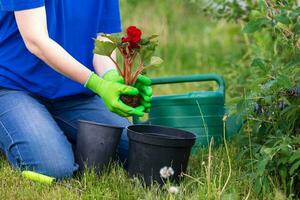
{"x": 58, "y": 169}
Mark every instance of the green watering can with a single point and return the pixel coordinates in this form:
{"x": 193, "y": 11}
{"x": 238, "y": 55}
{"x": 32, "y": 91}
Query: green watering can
{"x": 200, "y": 112}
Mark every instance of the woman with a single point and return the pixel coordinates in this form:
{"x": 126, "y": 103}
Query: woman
{"x": 47, "y": 81}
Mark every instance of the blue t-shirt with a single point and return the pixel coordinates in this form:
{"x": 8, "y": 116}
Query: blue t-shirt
{"x": 71, "y": 23}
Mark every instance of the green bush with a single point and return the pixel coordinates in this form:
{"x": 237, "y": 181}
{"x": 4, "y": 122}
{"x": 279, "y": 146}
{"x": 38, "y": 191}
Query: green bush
{"x": 271, "y": 101}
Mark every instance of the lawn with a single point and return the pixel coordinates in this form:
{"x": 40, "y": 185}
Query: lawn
{"x": 190, "y": 43}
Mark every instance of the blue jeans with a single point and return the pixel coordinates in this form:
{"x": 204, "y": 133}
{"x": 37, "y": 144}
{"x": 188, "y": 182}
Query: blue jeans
{"x": 38, "y": 134}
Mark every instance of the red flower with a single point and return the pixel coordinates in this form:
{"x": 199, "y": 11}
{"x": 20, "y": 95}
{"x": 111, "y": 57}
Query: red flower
{"x": 125, "y": 39}
{"x": 134, "y": 34}
{"x": 133, "y": 37}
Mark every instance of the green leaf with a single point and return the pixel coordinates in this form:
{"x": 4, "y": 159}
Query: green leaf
{"x": 255, "y": 25}
{"x": 154, "y": 62}
{"x": 147, "y": 40}
{"x": 262, "y": 6}
{"x": 114, "y": 38}
{"x": 147, "y": 51}
{"x": 152, "y": 37}
{"x": 296, "y": 61}
{"x": 241, "y": 106}
{"x": 282, "y": 160}
{"x": 104, "y": 48}
{"x": 256, "y": 126}
{"x": 284, "y": 150}
{"x": 283, "y": 172}
{"x": 255, "y": 14}
{"x": 294, "y": 167}
{"x": 267, "y": 151}
{"x": 282, "y": 19}
{"x": 229, "y": 196}
{"x": 258, "y": 62}
{"x": 258, "y": 185}
{"x": 268, "y": 85}
{"x": 144, "y": 41}
{"x": 297, "y": 10}
{"x": 296, "y": 28}
{"x": 261, "y": 166}
{"x": 295, "y": 156}
{"x": 284, "y": 81}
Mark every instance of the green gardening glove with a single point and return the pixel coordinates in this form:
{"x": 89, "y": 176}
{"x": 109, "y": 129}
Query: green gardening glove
{"x": 143, "y": 84}
{"x": 110, "y": 92}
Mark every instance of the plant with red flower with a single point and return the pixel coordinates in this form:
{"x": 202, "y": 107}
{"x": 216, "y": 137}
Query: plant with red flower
{"x": 137, "y": 52}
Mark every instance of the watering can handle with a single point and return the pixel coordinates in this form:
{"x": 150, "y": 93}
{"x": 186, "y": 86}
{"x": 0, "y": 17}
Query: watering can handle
{"x": 192, "y": 78}
{"x": 185, "y": 79}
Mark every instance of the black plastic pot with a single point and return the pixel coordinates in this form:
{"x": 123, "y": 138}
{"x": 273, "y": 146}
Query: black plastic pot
{"x": 153, "y": 147}
{"x": 96, "y": 144}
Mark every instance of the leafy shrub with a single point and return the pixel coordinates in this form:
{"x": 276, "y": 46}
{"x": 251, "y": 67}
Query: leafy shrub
{"x": 271, "y": 103}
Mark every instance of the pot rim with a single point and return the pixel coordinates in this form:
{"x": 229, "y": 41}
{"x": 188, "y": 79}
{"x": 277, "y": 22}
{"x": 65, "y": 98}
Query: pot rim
{"x": 167, "y": 127}
{"x": 160, "y": 141}
{"x": 100, "y": 124}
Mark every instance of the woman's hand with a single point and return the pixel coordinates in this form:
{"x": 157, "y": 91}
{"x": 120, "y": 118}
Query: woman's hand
{"x": 110, "y": 92}
{"x": 143, "y": 84}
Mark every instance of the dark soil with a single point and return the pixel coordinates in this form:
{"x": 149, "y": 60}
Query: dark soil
{"x": 133, "y": 101}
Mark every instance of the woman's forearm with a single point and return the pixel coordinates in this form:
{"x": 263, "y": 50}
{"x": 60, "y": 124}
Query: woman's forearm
{"x": 59, "y": 59}
{"x": 33, "y": 28}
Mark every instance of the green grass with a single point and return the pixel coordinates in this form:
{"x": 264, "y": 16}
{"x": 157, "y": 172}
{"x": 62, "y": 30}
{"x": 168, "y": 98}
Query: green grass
{"x": 189, "y": 43}
{"x": 114, "y": 183}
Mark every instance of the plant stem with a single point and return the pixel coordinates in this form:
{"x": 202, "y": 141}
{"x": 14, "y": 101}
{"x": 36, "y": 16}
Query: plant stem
{"x": 248, "y": 195}
{"x": 195, "y": 179}
{"x": 132, "y": 58}
{"x": 203, "y": 121}
{"x": 124, "y": 71}
{"x": 138, "y": 72}
{"x": 128, "y": 72}
{"x": 129, "y": 68}
{"x": 124, "y": 65}
{"x": 117, "y": 65}
{"x": 208, "y": 173}
{"x": 228, "y": 159}
{"x": 249, "y": 137}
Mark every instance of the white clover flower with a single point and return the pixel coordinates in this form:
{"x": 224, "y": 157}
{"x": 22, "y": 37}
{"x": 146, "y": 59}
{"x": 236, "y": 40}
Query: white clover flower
{"x": 170, "y": 171}
{"x": 166, "y": 172}
{"x": 173, "y": 190}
